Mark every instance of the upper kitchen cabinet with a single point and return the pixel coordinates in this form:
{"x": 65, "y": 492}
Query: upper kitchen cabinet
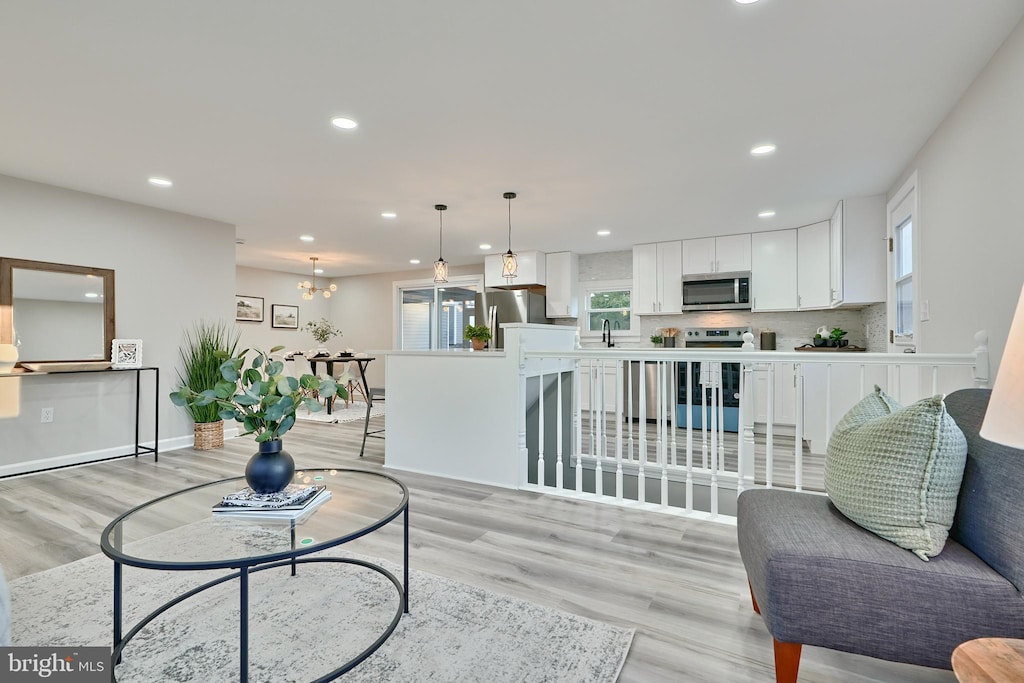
{"x": 531, "y": 270}
{"x": 773, "y": 270}
{"x": 727, "y": 254}
{"x": 563, "y": 269}
{"x": 657, "y": 278}
{"x": 857, "y": 234}
{"x": 814, "y": 290}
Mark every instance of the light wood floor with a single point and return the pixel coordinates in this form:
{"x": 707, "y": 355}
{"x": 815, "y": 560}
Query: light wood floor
{"x": 680, "y": 583}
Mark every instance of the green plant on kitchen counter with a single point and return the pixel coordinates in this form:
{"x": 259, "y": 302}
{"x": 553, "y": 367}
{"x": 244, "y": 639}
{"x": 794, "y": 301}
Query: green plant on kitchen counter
{"x": 657, "y": 339}
{"x": 835, "y": 337}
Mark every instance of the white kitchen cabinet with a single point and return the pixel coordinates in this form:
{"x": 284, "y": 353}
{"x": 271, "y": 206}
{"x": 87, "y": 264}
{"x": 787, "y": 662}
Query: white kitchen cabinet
{"x": 814, "y": 288}
{"x": 594, "y": 378}
{"x": 531, "y": 270}
{"x": 562, "y": 271}
{"x": 727, "y": 254}
{"x": 784, "y": 394}
{"x": 773, "y": 270}
{"x": 657, "y": 278}
{"x": 857, "y": 228}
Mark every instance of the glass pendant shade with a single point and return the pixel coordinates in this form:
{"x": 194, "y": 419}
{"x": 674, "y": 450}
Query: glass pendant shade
{"x": 440, "y": 270}
{"x": 509, "y": 265}
{"x": 440, "y": 265}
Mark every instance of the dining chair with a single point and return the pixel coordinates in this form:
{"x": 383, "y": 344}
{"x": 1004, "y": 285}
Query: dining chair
{"x": 347, "y": 375}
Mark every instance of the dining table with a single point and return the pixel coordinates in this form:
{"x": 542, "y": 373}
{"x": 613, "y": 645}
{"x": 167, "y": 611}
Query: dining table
{"x": 361, "y": 362}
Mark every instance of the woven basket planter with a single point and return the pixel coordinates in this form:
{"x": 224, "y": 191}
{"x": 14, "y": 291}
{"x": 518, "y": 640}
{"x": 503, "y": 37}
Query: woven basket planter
{"x": 209, "y": 435}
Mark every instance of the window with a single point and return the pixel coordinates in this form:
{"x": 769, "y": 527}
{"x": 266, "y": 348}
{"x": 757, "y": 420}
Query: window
{"x": 609, "y": 301}
{"x": 903, "y": 272}
{"x": 435, "y": 317}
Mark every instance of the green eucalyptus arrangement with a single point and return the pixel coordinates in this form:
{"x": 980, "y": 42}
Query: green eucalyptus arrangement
{"x": 322, "y": 330}
{"x": 260, "y": 396}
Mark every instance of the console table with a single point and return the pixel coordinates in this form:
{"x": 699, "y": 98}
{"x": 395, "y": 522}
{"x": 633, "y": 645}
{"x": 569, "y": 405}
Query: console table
{"x": 139, "y": 448}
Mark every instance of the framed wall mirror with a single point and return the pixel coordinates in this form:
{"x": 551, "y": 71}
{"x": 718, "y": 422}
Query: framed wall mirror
{"x": 56, "y": 312}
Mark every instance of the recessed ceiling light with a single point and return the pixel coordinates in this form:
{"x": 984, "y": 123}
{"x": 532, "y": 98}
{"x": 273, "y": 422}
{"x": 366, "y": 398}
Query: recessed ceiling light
{"x": 306, "y": 238}
{"x": 343, "y": 122}
{"x": 318, "y": 271}
{"x": 414, "y": 261}
{"x": 388, "y": 214}
{"x": 485, "y": 246}
{"x": 160, "y": 182}
{"x": 766, "y": 214}
{"x": 746, "y": 2}
{"x": 762, "y": 150}
{"x": 604, "y": 233}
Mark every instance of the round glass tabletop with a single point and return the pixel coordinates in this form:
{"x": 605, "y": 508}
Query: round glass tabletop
{"x": 180, "y": 530}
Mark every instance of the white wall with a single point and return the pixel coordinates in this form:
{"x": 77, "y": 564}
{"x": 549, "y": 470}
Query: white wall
{"x": 970, "y": 219}
{"x": 171, "y": 269}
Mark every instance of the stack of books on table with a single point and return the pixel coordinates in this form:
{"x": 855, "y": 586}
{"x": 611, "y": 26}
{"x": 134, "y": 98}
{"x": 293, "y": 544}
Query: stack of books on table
{"x": 296, "y": 500}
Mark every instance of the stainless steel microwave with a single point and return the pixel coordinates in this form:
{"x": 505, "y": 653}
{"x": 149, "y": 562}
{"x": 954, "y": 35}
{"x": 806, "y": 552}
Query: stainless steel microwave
{"x": 716, "y": 291}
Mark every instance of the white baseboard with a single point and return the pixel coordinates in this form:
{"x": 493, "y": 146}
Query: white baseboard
{"x": 87, "y": 457}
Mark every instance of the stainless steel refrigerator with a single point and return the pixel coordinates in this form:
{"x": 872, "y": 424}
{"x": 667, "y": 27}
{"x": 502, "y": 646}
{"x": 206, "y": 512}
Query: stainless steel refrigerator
{"x": 510, "y": 306}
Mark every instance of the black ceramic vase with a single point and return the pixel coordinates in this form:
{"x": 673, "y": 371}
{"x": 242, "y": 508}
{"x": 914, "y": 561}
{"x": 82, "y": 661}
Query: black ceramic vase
{"x": 271, "y": 469}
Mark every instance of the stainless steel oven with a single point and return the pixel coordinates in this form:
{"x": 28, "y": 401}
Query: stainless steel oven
{"x": 704, "y": 376}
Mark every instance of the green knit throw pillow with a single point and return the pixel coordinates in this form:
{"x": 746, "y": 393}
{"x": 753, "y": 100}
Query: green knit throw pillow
{"x": 897, "y": 471}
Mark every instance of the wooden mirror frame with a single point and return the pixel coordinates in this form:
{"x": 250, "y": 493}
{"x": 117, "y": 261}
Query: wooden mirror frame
{"x": 7, "y": 266}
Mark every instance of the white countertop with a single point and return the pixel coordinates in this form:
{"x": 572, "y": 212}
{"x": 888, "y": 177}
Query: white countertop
{"x": 444, "y": 353}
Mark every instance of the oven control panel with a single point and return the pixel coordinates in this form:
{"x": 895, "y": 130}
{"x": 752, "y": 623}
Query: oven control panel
{"x": 715, "y": 336}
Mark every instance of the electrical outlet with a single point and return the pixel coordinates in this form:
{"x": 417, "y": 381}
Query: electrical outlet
{"x": 46, "y": 415}
{"x": 926, "y": 313}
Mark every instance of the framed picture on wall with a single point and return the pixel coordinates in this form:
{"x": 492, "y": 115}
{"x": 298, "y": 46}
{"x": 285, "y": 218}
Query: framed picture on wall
{"x": 284, "y": 316}
{"x": 249, "y": 308}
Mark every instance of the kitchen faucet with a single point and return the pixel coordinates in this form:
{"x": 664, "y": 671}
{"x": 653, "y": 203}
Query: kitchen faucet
{"x": 606, "y": 332}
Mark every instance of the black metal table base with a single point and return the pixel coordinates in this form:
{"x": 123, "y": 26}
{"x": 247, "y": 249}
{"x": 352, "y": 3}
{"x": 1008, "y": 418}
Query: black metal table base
{"x": 243, "y": 576}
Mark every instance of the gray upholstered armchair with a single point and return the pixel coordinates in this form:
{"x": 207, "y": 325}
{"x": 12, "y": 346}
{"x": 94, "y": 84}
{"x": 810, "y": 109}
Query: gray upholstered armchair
{"x": 816, "y": 578}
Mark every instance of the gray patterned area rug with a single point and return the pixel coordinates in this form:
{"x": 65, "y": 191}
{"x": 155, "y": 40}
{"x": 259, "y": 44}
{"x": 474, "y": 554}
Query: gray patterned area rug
{"x": 304, "y": 627}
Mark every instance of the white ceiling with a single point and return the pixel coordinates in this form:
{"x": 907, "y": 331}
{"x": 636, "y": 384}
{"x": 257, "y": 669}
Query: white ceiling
{"x": 632, "y": 116}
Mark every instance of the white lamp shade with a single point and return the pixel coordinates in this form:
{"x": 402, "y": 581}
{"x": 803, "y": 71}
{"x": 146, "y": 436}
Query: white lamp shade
{"x": 1004, "y": 419}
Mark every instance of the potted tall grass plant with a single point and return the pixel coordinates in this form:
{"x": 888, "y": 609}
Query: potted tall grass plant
{"x": 205, "y": 348}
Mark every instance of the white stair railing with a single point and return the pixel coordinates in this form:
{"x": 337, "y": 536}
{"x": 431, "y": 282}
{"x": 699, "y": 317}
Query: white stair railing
{"x": 615, "y": 449}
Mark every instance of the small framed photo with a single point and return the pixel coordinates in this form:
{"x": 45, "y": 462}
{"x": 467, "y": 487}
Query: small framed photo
{"x": 126, "y": 353}
{"x": 284, "y": 316}
{"x": 249, "y": 308}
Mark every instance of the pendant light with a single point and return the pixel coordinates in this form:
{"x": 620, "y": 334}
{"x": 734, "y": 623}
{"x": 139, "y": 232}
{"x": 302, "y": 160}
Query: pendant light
{"x": 509, "y": 266}
{"x": 440, "y": 265}
{"x": 312, "y": 289}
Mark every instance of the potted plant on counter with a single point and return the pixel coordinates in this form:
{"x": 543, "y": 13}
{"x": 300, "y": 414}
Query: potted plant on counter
{"x": 657, "y": 339}
{"x": 263, "y": 399}
{"x": 478, "y": 335}
{"x": 205, "y": 347}
{"x": 835, "y": 337}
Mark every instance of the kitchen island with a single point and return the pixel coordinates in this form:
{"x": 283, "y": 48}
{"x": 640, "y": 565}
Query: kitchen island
{"x": 457, "y": 413}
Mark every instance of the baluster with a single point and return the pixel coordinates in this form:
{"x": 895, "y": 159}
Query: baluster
{"x": 641, "y": 483}
{"x": 721, "y": 418}
{"x": 674, "y": 425}
{"x": 629, "y": 385}
{"x": 862, "y": 370}
{"x": 704, "y": 372}
{"x": 578, "y": 427}
{"x": 716, "y": 388}
{"x": 618, "y": 429}
{"x": 798, "y": 451}
{"x": 662, "y": 385}
{"x": 689, "y": 437}
{"x": 659, "y": 416}
{"x": 540, "y": 431}
{"x": 598, "y": 469}
{"x": 769, "y": 438}
{"x": 558, "y": 432}
{"x": 935, "y": 379}
{"x": 828, "y": 403}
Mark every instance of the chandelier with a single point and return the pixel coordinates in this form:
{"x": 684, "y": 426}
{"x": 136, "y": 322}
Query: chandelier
{"x": 440, "y": 265}
{"x": 312, "y": 289}
{"x": 508, "y": 259}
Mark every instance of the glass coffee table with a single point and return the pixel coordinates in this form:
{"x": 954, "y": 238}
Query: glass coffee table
{"x": 361, "y": 502}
